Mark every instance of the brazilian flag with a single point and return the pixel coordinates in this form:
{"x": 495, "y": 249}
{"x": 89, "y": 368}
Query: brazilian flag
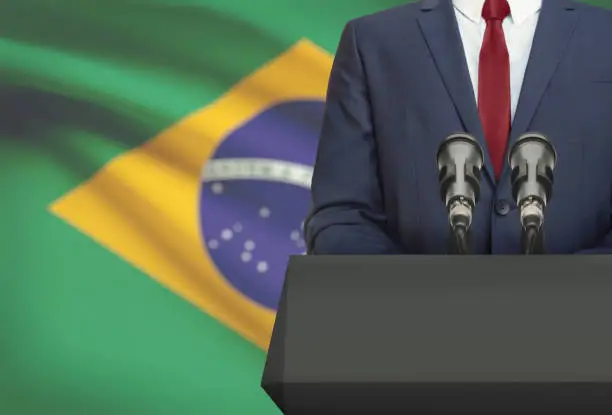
{"x": 155, "y": 161}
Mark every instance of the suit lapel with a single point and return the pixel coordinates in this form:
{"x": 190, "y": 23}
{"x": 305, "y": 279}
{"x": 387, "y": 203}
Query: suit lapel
{"x": 440, "y": 30}
{"x": 555, "y": 28}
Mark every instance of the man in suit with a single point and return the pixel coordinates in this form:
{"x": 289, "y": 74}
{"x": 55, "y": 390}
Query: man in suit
{"x": 406, "y": 78}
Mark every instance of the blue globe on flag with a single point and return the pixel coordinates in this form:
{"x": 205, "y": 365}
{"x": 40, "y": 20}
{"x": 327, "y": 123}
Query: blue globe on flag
{"x": 255, "y": 196}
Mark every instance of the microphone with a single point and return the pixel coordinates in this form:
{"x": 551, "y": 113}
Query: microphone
{"x": 532, "y": 161}
{"x": 460, "y": 160}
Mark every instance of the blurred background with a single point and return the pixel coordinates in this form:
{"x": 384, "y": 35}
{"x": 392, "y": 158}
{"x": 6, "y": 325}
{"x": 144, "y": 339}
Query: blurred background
{"x": 154, "y": 168}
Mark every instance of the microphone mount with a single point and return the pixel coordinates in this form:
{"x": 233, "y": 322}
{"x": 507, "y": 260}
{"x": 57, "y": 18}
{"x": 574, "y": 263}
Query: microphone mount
{"x": 460, "y": 218}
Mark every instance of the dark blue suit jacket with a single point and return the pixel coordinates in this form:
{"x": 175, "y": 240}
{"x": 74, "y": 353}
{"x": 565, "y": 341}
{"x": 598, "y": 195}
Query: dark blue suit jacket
{"x": 400, "y": 85}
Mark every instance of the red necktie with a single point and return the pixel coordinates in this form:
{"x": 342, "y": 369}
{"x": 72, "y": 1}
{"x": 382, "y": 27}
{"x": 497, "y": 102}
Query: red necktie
{"x": 494, "y": 83}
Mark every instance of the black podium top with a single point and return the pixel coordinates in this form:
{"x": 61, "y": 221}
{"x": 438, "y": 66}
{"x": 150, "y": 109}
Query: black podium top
{"x": 444, "y": 335}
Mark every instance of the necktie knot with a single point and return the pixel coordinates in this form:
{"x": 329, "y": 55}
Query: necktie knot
{"x": 495, "y": 10}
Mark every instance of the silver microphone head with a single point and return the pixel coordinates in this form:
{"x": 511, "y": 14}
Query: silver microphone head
{"x": 532, "y": 161}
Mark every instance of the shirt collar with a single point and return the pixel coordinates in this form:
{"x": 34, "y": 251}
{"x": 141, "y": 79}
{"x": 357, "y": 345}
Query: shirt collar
{"x": 520, "y": 10}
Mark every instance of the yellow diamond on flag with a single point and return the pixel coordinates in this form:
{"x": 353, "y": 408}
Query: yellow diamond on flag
{"x": 211, "y": 206}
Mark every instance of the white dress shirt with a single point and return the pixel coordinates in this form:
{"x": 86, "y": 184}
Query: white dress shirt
{"x": 519, "y": 30}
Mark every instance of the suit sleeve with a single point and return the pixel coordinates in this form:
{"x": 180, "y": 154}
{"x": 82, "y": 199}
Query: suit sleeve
{"x": 347, "y": 214}
{"x": 603, "y": 247}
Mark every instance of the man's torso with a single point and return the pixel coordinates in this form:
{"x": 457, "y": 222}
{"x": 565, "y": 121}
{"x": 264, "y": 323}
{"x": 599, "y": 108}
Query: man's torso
{"x": 421, "y": 91}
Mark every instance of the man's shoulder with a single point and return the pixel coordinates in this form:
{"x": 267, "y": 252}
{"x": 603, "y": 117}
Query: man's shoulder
{"x": 397, "y": 15}
{"x": 379, "y": 28}
{"x": 593, "y": 12}
{"x": 594, "y": 26}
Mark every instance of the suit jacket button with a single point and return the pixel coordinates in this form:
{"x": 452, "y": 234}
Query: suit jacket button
{"x": 502, "y": 207}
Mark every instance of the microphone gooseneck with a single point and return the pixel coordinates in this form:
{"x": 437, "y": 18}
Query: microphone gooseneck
{"x": 531, "y": 234}
{"x": 461, "y": 240}
{"x": 460, "y": 160}
{"x": 532, "y": 161}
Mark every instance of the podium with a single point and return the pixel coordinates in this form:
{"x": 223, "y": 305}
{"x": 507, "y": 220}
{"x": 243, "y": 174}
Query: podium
{"x": 422, "y": 335}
